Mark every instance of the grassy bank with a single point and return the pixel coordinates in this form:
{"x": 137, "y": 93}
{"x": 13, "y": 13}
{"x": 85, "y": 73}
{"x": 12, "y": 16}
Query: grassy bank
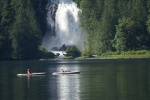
{"x": 121, "y": 55}
{"x": 128, "y": 54}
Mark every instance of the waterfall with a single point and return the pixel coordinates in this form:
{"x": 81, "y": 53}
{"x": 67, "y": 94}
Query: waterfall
{"x": 63, "y": 21}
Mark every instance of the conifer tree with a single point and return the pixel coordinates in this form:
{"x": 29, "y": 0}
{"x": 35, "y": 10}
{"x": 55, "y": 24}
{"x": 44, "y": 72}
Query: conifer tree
{"x": 5, "y": 24}
{"x": 108, "y": 22}
{"x": 25, "y": 34}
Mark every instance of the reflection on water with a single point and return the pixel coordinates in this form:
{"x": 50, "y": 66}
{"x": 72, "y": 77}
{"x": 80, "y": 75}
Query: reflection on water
{"x": 129, "y": 80}
{"x": 29, "y": 86}
{"x": 98, "y": 80}
{"x": 68, "y": 86}
{"x": 28, "y": 78}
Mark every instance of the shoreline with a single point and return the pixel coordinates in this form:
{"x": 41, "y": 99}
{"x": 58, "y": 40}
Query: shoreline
{"x": 115, "y": 57}
{"x": 98, "y": 58}
{"x": 109, "y": 58}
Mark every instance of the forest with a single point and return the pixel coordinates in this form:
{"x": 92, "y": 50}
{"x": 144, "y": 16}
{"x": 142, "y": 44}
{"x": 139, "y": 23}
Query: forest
{"x": 111, "y": 25}
{"x": 116, "y": 25}
{"x": 21, "y": 28}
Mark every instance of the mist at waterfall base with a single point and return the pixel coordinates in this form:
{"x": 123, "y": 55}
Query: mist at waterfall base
{"x": 63, "y": 25}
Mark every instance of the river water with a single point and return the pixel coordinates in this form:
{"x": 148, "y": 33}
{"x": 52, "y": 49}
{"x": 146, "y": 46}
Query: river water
{"x": 99, "y": 80}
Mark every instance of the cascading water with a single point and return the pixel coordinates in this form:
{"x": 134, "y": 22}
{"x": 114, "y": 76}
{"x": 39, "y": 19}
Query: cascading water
{"x": 63, "y": 19}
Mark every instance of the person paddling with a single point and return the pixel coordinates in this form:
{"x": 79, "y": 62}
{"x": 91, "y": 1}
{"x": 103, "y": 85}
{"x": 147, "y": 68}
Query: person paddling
{"x": 28, "y": 71}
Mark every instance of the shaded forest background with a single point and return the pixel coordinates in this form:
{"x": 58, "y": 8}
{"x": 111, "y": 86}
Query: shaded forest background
{"x": 22, "y": 26}
{"x": 111, "y": 25}
{"x": 116, "y": 25}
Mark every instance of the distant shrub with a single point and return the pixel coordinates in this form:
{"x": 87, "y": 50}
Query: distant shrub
{"x": 113, "y": 53}
{"x": 85, "y": 52}
{"x": 142, "y": 52}
{"x": 73, "y": 52}
{"x": 138, "y": 52}
{"x": 44, "y": 54}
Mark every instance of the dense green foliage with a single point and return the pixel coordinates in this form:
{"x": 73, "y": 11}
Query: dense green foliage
{"x": 111, "y": 25}
{"x": 116, "y": 25}
{"x": 44, "y": 54}
{"x": 73, "y": 52}
{"x": 20, "y": 30}
{"x": 41, "y": 13}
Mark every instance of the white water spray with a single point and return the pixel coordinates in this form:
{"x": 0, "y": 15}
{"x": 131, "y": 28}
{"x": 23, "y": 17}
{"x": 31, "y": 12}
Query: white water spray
{"x": 63, "y": 19}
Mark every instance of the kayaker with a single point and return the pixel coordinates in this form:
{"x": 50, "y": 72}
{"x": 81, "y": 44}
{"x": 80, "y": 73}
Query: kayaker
{"x": 28, "y": 71}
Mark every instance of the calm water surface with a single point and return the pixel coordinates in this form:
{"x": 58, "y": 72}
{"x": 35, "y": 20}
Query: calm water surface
{"x": 98, "y": 80}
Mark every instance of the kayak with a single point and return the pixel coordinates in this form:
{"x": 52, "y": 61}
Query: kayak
{"x": 68, "y": 72}
{"x": 32, "y": 74}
